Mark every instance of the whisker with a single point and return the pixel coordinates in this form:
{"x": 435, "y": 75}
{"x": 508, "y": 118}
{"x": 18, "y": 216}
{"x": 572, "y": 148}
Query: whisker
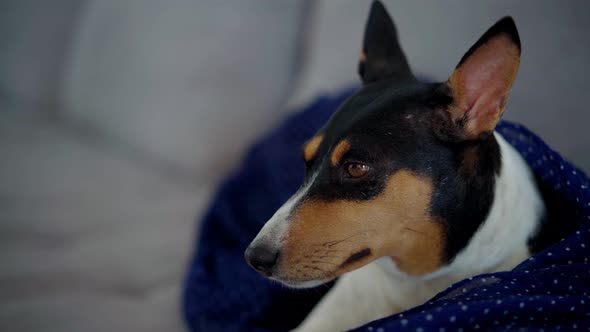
{"x": 428, "y": 235}
{"x": 413, "y": 230}
{"x": 330, "y": 244}
{"x": 336, "y": 251}
{"x": 330, "y": 250}
{"x": 326, "y": 256}
{"x": 315, "y": 268}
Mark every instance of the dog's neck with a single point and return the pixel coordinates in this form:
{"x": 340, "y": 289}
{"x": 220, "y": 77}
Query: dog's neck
{"x": 501, "y": 240}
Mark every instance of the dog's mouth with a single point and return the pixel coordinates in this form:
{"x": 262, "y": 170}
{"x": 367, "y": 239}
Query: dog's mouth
{"x": 313, "y": 271}
{"x": 357, "y": 256}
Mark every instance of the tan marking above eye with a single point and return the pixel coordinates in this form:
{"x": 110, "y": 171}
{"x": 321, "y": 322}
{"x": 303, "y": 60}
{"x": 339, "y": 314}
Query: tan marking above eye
{"x": 338, "y": 152}
{"x": 324, "y": 235}
{"x": 311, "y": 147}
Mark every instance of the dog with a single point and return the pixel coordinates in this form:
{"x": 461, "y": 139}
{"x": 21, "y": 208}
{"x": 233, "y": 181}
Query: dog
{"x": 408, "y": 188}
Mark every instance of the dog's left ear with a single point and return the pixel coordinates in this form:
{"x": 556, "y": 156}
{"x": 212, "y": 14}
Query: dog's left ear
{"x": 382, "y": 57}
{"x": 480, "y": 84}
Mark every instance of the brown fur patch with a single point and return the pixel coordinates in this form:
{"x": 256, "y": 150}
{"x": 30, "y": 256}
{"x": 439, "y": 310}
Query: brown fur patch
{"x": 480, "y": 85}
{"x": 323, "y": 236}
{"x": 311, "y": 147}
{"x": 339, "y": 150}
{"x": 363, "y": 57}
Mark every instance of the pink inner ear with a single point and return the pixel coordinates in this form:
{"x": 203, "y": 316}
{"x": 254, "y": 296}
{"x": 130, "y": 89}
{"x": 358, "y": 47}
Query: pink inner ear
{"x": 481, "y": 84}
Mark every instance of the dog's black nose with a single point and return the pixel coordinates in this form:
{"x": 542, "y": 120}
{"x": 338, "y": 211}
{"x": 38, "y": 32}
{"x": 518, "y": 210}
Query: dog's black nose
{"x": 262, "y": 258}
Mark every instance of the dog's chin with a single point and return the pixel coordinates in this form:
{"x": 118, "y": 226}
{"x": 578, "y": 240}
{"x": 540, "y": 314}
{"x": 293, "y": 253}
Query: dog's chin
{"x": 302, "y": 284}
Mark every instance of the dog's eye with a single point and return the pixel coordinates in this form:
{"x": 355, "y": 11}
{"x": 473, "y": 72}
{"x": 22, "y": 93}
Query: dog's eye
{"x": 356, "y": 170}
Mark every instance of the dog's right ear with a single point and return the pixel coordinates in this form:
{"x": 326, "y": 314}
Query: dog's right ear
{"x": 382, "y": 57}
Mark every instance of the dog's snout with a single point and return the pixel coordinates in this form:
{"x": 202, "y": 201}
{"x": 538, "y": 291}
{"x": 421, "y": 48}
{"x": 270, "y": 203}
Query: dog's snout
{"x": 262, "y": 258}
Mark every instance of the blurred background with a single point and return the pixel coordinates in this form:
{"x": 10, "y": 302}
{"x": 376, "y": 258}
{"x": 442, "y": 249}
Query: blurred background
{"x": 119, "y": 117}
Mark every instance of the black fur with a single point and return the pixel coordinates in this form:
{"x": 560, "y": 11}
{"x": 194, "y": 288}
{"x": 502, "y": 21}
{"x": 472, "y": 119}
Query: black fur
{"x": 384, "y": 56}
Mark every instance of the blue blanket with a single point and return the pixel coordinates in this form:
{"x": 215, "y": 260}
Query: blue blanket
{"x": 551, "y": 290}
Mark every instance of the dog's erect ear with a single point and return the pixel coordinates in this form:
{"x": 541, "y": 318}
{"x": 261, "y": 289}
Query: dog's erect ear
{"x": 381, "y": 56}
{"x": 480, "y": 84}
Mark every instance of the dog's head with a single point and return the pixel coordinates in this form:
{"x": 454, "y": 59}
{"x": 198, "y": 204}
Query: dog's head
{"x": 403, "y": 169}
